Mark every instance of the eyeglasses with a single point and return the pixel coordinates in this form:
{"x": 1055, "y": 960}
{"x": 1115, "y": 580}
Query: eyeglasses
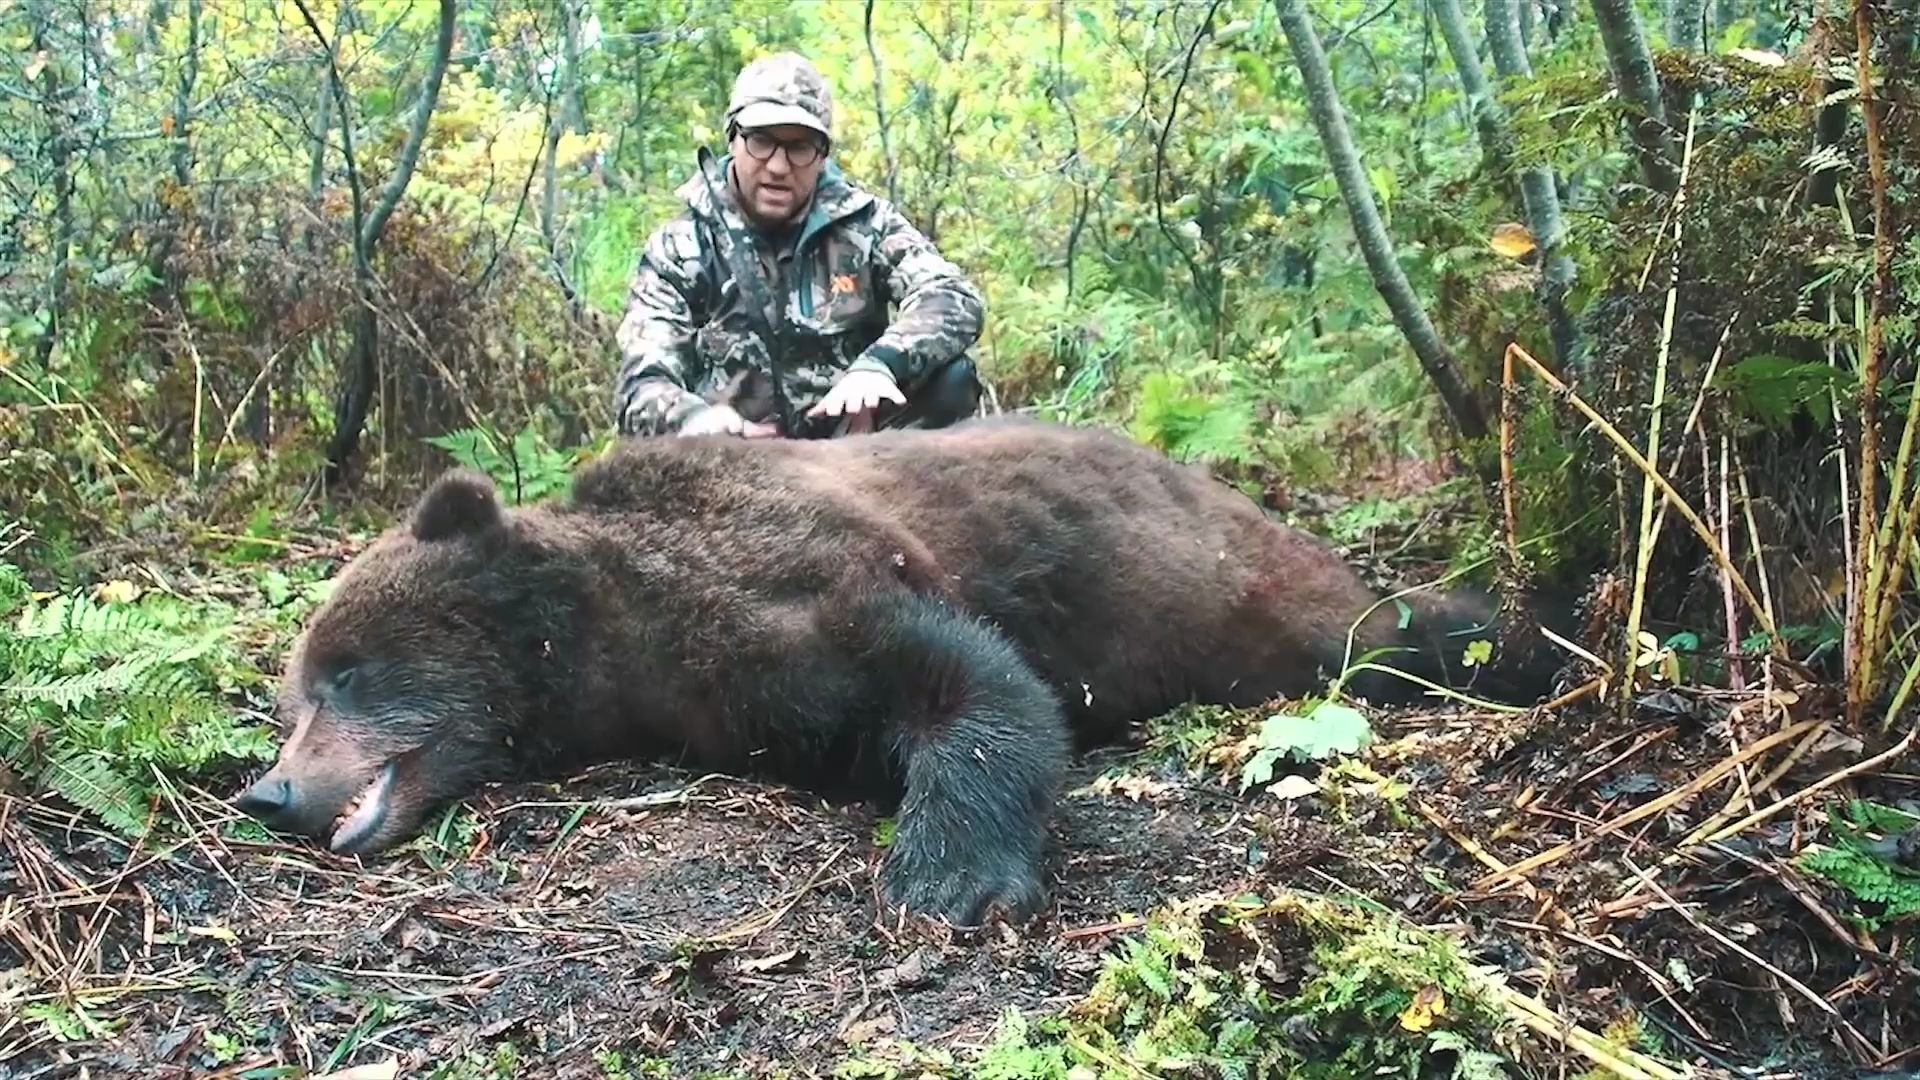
{"x": 801, "y": 152}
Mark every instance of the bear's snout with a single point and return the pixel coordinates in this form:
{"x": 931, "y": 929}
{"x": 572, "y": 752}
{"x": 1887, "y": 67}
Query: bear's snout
{"x": 281, "y": 802}
{"x": 267, "y": 799}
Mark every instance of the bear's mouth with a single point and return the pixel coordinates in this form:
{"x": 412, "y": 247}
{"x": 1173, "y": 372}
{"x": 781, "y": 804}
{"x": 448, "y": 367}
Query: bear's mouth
{"x": 363, "y": 815}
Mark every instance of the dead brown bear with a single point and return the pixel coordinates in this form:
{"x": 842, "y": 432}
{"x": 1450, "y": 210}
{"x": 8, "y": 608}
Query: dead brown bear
{"x": 932, "y": 616}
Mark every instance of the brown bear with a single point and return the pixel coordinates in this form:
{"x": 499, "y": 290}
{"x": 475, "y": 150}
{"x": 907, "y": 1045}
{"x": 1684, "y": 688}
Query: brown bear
{"x": 936, "y": 617}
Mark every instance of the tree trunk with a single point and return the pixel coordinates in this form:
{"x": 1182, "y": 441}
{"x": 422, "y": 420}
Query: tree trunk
{"x": 880, "y": 113}
{"x": 1323, "y": 102}
{"x": 572, "y": 117}
{"x": 61, "y": 145}
{"x": 1639, "y": 85}
{"x": 170, "y": 220}
{"x": 1686, "y": 25}
{"x": 1538, "y": 187}
{"x": 356, "y": 396}
{"x": 1473, "y": 80}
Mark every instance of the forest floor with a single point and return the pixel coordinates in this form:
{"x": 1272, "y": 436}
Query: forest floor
{"x": 646, "y": 921}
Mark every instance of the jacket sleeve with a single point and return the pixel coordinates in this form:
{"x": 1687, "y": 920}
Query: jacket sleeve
{"x": 940, "y": 309}
{"x": 658, "y": 362}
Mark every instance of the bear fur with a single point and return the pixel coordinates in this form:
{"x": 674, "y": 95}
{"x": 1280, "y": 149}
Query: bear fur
{"x": 935, "y": 617}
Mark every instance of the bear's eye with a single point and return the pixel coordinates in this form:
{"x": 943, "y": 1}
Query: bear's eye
{"x": 343, "y": 678}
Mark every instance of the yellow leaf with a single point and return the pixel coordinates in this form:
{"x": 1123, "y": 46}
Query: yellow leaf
{"x": 119, "y": 591}
{"x": 6, "y": 164}
{"x": 1428, "y": 1005}
{"x": 219, "y": 933}
{"x": 1760, "y": 56}
{"x": 575, "y": 147}
{"x": 1512, "y": 239}
{"x": 36, "y": 65}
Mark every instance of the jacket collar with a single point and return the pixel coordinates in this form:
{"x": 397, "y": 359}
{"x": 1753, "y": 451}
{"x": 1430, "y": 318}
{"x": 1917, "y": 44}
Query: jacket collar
{"x": 834, "y": 199}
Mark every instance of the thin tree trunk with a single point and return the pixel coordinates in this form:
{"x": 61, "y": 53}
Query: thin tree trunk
{"x": 1830, "y": 124}
{"x": 61, "y": 141}
{"x": 1473, "y": 80}
{"x": 1639, "y": 84}
{"x": 182, "y": 148}
{"x": 1686, "y": 25}
{"x": 880, "y": 113}
{"x": 572, "y": 117}
{"x": 183, "y": 98}
{"x": 356, "y": 396}
{"x": 1538, "y": 188}
{"x": 1082, "y": 199}
{"x": 416, "y": 132}
{"x": 1323, "y": 102}
{"x": 317, "y": 159}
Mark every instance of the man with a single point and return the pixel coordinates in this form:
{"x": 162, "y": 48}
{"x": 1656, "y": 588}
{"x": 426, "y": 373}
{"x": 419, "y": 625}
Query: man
{"x": 822, "y": 358}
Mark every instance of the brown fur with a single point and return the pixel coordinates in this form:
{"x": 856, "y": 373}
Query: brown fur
{"x": 937, "y": 612}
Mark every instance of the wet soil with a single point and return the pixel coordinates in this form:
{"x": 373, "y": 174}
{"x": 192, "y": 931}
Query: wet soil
{"x": 736, "y": 928}
{"x": 719, "y": 926}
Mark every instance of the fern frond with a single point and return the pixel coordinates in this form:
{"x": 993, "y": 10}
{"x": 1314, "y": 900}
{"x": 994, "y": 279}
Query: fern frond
{"x": 93, "y": 785}
{"x": 94, "y": 698}
{"x": 1853, "y": 863}
{"x": 74, "y": 615}
{"x": 71, "y": 691}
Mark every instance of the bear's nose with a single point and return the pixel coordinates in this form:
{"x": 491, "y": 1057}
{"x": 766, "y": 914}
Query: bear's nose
{"x": 267, "y": 799}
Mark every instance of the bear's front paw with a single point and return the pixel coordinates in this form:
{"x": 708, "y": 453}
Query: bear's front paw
{"x": 966, "y": 888}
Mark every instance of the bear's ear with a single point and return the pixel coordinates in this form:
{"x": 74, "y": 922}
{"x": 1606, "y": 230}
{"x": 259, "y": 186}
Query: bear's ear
{"x": 460, "y": 501}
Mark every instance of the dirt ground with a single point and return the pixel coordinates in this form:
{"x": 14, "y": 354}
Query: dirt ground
{"x": 713, "y": 924}
{"x": 734, "y": 928}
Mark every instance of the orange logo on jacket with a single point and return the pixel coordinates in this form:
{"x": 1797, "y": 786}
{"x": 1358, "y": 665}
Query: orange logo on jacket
{"x": 842, "y": 283}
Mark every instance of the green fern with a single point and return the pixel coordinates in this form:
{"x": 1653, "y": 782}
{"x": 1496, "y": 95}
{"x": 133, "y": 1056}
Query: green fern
{"x": 96, "y": 696}
{"x": 1190, "y": 425}
{"x": 1855, "y": 863}
{"x": 526, "y": 469}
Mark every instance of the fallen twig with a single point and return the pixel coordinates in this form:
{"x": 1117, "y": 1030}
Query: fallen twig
{"x": 1100, "y": 929}
{"x": 1761, "y": 787}
{"x": 1662, "y": 985}
{"x": 1798, "y": 889}
{"x": 1785, "y": 979}
{"x": 1622, "y": 1061}
{"x": 479, "y": 980}
{"x": 1814, "y": 788}
{"x": 1469, "y": 845}
{"x": 651, "y": 800}
{"x": 1647, "y": 809}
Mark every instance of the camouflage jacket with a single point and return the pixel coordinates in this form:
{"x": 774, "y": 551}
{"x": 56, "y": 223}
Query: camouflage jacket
{"x": 688, "y": 341}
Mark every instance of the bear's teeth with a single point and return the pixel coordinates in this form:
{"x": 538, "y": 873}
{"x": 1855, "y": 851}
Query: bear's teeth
{"x": 363, "y": 815}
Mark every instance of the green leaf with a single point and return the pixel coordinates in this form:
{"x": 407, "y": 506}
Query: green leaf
{"x": 1329, "y": 729}
{"x": 1771, "y": 389}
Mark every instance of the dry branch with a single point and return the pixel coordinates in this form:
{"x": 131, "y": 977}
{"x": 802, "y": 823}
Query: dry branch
{"x": 1646, "y": 809}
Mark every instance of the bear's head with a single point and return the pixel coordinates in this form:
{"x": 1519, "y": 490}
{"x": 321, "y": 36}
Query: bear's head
{"x": 408, "y": 684}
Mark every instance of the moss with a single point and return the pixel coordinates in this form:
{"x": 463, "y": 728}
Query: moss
{"x": 1291, "y": 984}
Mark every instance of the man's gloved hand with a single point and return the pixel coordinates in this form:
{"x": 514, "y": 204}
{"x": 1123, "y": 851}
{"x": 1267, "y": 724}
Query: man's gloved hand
{"x": 726, "y": 420}
{"x": 858, "y": 394}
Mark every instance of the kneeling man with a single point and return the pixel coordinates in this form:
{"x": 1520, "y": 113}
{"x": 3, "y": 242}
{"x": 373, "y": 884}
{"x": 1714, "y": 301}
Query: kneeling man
{"x": 762, "y": 309}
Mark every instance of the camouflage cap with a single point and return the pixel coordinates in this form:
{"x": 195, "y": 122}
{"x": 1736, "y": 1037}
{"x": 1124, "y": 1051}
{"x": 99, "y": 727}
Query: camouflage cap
{"x": 784, "y": 88}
